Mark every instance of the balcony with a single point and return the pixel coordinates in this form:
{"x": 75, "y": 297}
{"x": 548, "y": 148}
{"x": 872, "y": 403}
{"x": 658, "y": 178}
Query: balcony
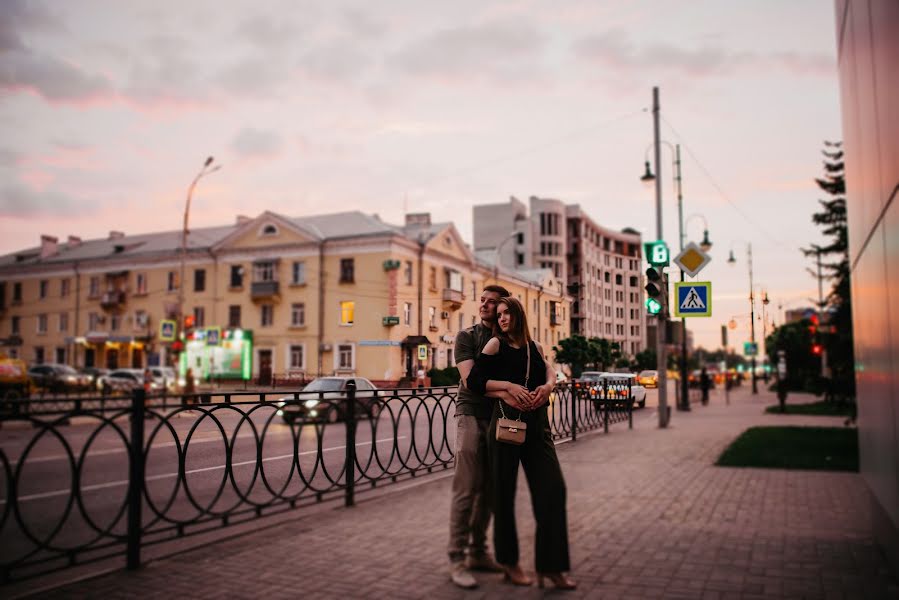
{"x": 113, "y": 299}
{"x": 452, "y": 299}
{"x": 554, "y": 320}
{"x": 261, "y": 290}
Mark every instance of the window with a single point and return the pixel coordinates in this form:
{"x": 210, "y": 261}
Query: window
{"x": 454, "y": 280}
{"x": 432, "y": 317}
{"x": 298, "y": 314}
{"x": 269, "y": 230}
{"x": 93, "y": 290}
{"x": 114, "y": 322}
{"x": 347, "y": 268}
{"x": 461, "y": 321}
{"x": 267, "y": 315}
{"x": 234, "y": 315}
{"x": 42, "y": 288}
{"x": 236, "y": 276}
{"x": 38, "y": 354}
{"x": 61, "y": 355}
{"x": 93, "y": 321}
{"x": 63, "y": 321}
{"x": 474, "y": 289}
{"x": 171, "y": 283}
{"x": 407, "y": 271}
{"x": 199, "y": 316}
{"x": 42, "y": 323}
{"x": 263, "y": 271}
{"x": 199, "y": 280}
{"x": 17, "y": 292}
{"x": 14, "y": 324}
{"x": 407, "y": 313}
{"x": 432, "y": 278}
{"x": 519, "y": 258}
{"x": 345, "y": 356}
{"x": 140, "y": 283}
{"x": 298, "y": 273}
{"x": 297, "y": 357}
{"x": 347, "y": 312}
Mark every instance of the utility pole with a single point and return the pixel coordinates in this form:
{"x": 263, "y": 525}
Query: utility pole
{"x": 662, "y": 317}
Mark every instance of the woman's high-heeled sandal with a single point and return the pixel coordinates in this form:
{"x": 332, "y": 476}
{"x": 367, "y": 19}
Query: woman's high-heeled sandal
{"x": 516, "y": 576}
{"x": 559, "y": 580}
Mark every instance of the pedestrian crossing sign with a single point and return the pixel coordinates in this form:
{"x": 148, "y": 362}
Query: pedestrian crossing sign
{"x": 694, "y": 299}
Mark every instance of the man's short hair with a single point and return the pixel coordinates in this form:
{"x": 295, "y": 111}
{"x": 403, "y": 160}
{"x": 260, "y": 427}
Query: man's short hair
{"x": 498, "y": 289}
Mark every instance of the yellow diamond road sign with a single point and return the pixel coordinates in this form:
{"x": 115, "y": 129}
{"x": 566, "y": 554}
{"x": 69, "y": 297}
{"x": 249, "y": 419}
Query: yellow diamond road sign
{"x": 692, "y": 259}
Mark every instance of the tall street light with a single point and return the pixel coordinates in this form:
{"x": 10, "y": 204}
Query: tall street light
{"x": 206, "y": 170}
{"x": 499, "y": 248}
{"x": 732, "y": 260}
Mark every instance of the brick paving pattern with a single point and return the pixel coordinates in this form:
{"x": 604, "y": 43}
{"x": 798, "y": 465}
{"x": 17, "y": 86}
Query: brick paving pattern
{"x": 649, "y": 517}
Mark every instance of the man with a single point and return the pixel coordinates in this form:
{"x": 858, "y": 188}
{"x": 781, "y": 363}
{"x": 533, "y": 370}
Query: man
{"x": 470, "y": 508}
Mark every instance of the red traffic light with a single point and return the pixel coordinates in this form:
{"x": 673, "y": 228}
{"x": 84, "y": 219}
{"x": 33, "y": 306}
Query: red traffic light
{"x": 188, "y": 321}
{"x": 816, "y": 349}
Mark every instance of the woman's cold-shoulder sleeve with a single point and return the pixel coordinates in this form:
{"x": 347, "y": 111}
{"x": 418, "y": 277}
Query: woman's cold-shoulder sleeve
{"x": 486, "y": 367}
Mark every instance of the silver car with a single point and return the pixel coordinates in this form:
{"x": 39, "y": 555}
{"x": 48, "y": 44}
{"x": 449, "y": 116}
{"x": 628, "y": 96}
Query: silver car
{"x": 323, "y": 401}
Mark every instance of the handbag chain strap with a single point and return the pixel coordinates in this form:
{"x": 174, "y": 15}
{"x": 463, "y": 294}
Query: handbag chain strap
{"x": 527, "y": 375}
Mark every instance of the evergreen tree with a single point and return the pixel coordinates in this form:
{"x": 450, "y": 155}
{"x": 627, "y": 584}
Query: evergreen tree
{"x": 835, "y": 333}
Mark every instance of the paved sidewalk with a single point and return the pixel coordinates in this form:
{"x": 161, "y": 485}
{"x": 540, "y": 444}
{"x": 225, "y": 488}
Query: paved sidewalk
{"x": 649, "y": 517}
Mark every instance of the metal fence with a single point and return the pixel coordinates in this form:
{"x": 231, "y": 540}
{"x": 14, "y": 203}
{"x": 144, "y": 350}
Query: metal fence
{"x": 86, "y": 479}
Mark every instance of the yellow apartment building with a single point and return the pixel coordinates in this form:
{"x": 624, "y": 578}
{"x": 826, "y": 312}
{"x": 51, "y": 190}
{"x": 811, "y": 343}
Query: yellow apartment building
{"x": 339, "y": 293}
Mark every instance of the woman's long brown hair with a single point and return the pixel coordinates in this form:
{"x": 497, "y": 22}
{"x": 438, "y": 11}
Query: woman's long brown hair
{"x": 518, "y": 332}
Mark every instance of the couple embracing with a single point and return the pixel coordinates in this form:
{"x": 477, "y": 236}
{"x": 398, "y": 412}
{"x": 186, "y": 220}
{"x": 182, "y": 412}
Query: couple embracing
{"x": 504, "y": 381}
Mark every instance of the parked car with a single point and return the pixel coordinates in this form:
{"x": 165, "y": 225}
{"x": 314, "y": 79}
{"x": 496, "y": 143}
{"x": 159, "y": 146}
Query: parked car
{"x": 58, "y": 378}
{"x": 124, "y": 381}
{"x": 323, "y": 400}
{"x": 165, "y": 378}
{"x": 649, "y": 379}
{"x": 95, "y": 373}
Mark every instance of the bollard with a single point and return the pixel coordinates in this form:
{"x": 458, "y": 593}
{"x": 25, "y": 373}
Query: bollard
{"x": 350, "y": 464}
{"x": 135, "y": 477}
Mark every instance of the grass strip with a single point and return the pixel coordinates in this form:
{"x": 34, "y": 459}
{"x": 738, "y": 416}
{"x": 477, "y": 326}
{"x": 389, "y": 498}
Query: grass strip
{"x": 791, "y": 447}
{"x": 822, "y": 408}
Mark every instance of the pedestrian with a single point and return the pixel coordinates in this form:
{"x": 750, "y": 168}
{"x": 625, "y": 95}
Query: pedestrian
{"x": 704, "y": 383}
{"x": 420, "y": 376}
{"x": 148, "y": 380}
{"x": 513, "y": 363}
{"x": 470, "y": 505}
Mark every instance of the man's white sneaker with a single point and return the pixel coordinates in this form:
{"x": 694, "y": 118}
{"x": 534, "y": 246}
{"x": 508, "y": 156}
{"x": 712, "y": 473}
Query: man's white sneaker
{"x": 461, "y": 576}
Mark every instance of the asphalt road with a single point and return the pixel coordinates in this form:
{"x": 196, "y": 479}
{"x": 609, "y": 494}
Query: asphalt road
{"x": 296, "y": 461}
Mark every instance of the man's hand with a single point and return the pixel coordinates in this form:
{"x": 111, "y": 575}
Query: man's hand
{"x": 541, "y": 395}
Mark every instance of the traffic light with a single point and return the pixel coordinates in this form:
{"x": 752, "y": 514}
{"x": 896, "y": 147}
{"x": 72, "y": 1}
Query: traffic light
{"x": 655, "y": 288}
{"x": 188, "y": 322}
{"x": 816, "y": 349}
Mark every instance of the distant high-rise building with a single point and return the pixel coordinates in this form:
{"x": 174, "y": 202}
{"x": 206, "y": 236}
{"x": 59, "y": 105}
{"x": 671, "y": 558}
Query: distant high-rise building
{"x": 601, "y": 266}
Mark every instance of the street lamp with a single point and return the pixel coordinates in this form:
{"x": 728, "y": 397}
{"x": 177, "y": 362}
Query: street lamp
{"x": 499, "y": 248}
{"x": 206, "y": 170}
{"x": 705, "y": 244}
{"x": 732, "y": 260}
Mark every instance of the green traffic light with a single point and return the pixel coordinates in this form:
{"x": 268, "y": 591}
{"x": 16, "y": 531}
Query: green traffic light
{"x": 653, "y": 306}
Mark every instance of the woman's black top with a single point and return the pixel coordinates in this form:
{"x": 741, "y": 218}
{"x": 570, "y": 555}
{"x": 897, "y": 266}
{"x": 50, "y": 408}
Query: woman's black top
{"x": 509, "y": 364}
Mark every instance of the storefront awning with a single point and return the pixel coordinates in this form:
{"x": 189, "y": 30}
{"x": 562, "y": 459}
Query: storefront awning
{"x": 416, "y": 340}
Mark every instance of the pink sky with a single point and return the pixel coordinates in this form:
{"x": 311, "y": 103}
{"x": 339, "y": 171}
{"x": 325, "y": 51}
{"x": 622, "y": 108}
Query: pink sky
{"x": 110, "y": 109}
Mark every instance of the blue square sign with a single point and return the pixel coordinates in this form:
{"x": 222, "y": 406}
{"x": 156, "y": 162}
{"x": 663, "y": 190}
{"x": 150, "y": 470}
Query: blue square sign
{"x": 693, "y": 299}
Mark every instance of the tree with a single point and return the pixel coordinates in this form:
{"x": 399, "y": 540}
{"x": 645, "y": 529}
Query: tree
{"x": 795, "y": 340}
{"x": 576, "y": 352}
{"x": 835, "y": 333}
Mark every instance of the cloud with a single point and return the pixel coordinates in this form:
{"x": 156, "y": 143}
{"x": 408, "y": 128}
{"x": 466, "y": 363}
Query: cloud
{"x": 54, "y": 80}
{"x": 503, "y": 51}
{"x": 18, "y": 200}
{"x": 615, "y": 50}
{"x": 338, "y": 61}
{"x": 255, "y": 143}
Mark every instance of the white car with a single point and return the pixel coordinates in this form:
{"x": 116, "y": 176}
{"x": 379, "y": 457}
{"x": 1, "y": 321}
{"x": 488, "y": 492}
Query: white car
{"x": 125, "y": 380}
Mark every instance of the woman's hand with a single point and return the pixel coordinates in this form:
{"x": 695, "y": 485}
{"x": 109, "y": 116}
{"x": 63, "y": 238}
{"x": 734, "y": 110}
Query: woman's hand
{"x": 541, "y": 394}
{"x": 520, "y": 394}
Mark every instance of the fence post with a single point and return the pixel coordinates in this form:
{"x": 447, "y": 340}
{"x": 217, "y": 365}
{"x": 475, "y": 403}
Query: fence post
{"x": 350, "y": 465}
{"x": 135, "y": 477}
{"x": 630, "y": 404}
{"x": 605, "y": 406}
{"x": 573, "y": 398}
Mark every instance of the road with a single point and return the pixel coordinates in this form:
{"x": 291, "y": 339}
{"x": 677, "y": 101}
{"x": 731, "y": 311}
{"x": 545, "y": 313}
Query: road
{"x": 294, "y": 462}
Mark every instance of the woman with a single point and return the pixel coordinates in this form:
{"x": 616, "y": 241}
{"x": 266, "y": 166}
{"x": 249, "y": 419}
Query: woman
{"x": 512, "y": 364}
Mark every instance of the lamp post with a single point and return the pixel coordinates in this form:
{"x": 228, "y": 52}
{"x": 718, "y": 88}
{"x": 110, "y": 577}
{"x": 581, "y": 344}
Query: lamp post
{"x": 731, "y": 260}
{"x": 205, "y": 170}
{"x": 499, "y": 248}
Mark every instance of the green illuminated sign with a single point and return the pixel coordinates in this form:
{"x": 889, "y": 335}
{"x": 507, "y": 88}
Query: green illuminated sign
{"x": 657, "y": 253}
{"x": 653, "y": 306}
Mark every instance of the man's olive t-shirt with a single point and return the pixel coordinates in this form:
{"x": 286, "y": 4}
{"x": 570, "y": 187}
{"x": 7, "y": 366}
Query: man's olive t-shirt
{"x": 469, "y": 344}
